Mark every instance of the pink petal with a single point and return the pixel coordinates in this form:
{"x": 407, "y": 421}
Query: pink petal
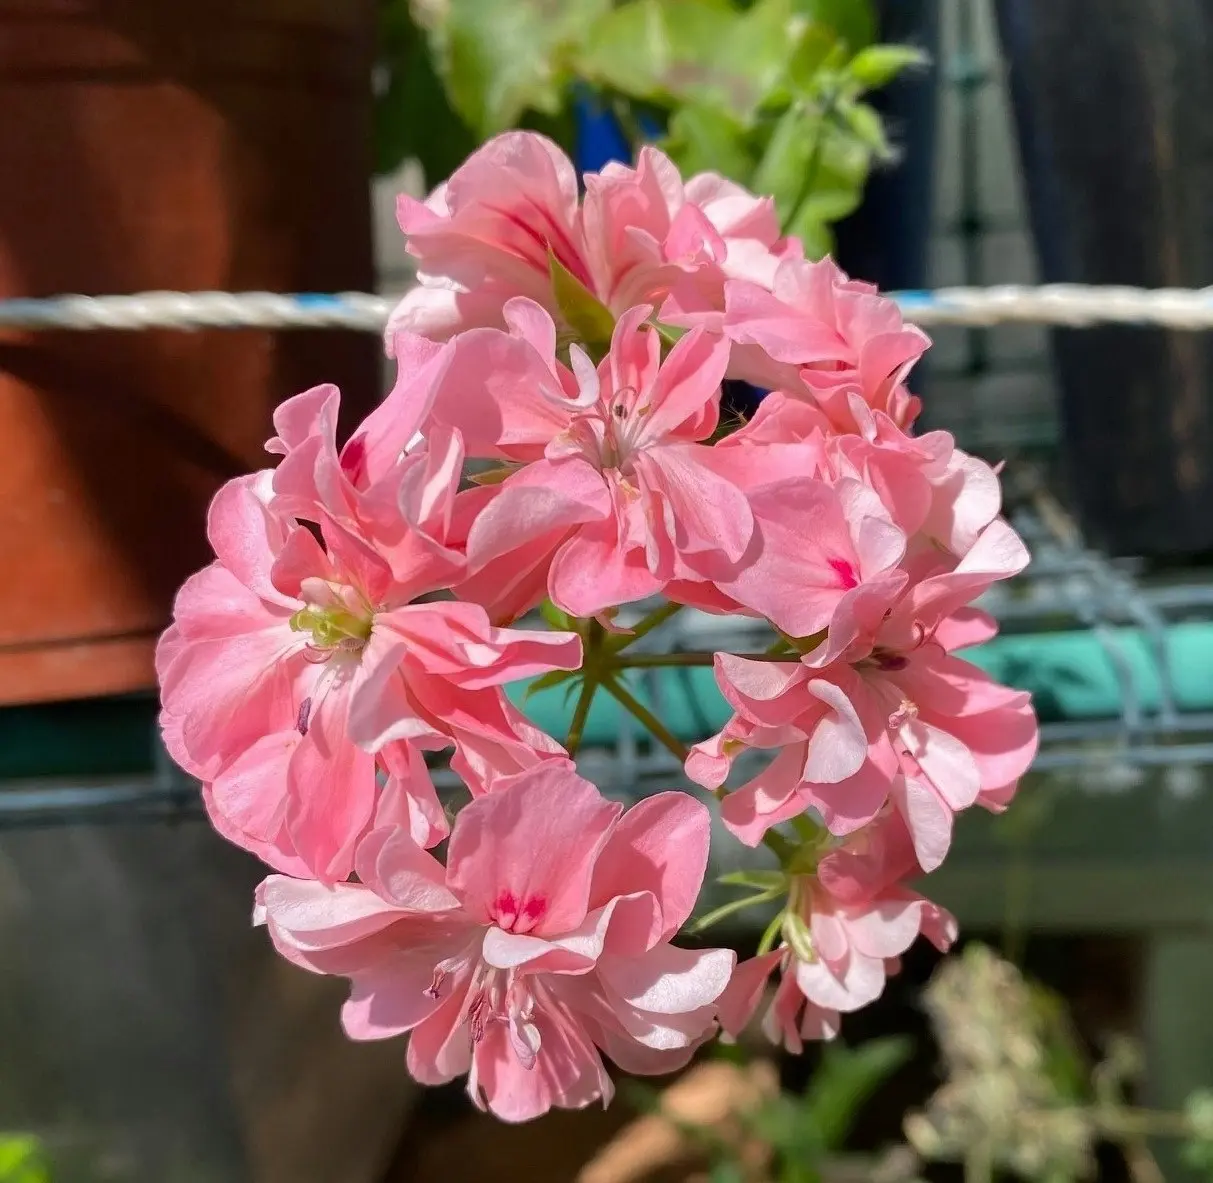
{"x": 593, "y": 571}
{"x": 928, "y": 818}
{"x": 231, "y": 691}
{"x": 501, "y": 395}
{"x": 456, "y": 641}
{"x": 382, "y": 709}
{"x": 245, "y": 536}
{"x": 689, "y": 380}
{"x": 247, "y": 801}
{"x": 711, "y": 516}
{"x": 390, "y": 998}
{"x": 314, "y": 917}
{"x": 736, "y": 1006}
{"x": 331, "y": 791}
{"x": 523, "y": 857}
{"x": 838, "y": 746}
{"x": 566, "y": 1071}
{"x": 770, "y": 692}
{"x": 390, "y": 428}
{"x": 848, "y": 804}
{"x": 396, "y": 869}
{"x": 660, "y": 845}
{"x": 544, "y": 499}
{"x": 767, "y": 800}
{"x": 439, "y": 1048}
{"x": 945, "y": 761}
{"x": 668, "y": 980}
{"x": 888, "y": 927}
{"x": 857, "y": 983}
{"x": 408, "y": 799}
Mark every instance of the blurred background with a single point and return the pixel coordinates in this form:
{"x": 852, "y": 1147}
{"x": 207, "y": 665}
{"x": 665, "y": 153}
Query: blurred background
{"x": 147, "y": 1033}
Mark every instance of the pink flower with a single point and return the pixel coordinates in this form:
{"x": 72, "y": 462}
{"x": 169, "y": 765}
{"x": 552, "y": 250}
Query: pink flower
{"x": 790, "y": 1019}
{"x": 848, "y": 925}
{"x": 823, "y": 552}
{"x": 924, "y": 729}
{"x": 882, "y": 538}
{"x": 290, "y": 663}
{"x": 816, "y": 334}
{"x": 545, "y": 939}
{"x": 650, "y": 239}
{"x": 484, "y": 235}
{"x": 382, "y": 486}
{"x": 643, "y": 237}
{"x": 615, "y": 494}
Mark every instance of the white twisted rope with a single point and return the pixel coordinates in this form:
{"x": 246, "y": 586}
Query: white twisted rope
{"x": 1072, "y": 305}
{"x": 358, "y": 311}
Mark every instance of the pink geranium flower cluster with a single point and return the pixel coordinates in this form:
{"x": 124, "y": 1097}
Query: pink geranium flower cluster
{"x": 555, "y": 434}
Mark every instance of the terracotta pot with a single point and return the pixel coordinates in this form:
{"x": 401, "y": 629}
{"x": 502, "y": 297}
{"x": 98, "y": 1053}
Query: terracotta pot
{"x": 216, "y": 145}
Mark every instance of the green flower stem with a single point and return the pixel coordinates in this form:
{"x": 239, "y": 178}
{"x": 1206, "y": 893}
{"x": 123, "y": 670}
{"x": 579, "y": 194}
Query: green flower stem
{"x": 824, "y": 127}
{"x": 592, "y": 634}
{"x": 640, "y": 661}
{"x": 780, "y": 846}
{"x": 580, "y": 714}
{"x": 731, "y": 908}
{"x": 783, "y": 849}
{"x": 770, "y": 938}
{"x": 654, "y": 620}
{"x": 646, "y": 718}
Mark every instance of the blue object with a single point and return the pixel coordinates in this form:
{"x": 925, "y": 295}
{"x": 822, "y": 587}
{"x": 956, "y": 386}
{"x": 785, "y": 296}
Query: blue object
{"x": 599, "y": 138}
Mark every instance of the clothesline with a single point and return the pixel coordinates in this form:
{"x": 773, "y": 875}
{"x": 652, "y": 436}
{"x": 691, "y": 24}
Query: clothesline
{"x": 1072, "y": 305}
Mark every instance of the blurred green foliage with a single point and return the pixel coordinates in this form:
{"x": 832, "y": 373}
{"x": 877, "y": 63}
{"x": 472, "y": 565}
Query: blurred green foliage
{"x": 803, "y": 1130}
{"x": 800, "y": 1130}
{"x": 22, "y": 1160}
{"x": 1197, "y": 1150}
{"x": 770, "y": 93}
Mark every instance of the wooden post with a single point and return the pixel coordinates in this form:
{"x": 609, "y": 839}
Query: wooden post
{"x": 145, "y": 145}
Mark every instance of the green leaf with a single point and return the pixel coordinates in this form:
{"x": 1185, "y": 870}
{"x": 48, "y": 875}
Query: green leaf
{"x": 589, "y": 319}
{"x": 703, "y": 139}
{"x": 655, "y": 49}
{"x": 22, "y": 1160}
{"x": 816, "y": 57}
{"x": 559, "y": 620}
{"x": 726, "y": 1172}
{"x": 705, "y": 53}
{"x": 845, "y": 1079}
{"x": 852, "y": 20}
{"x": 878, "y": 65}
{"x": 547, "y": 681}
{"x": 501, "y": 59}
{"x": 439, "y": 139}
{"x": 761, "y": 51}
{"x": 835, "y": 192}
{"x": 777, "y": 1121}
{"x": 782, "y": 170}
{"x": 670, "y": 334}
{"x": 866, "y": 126}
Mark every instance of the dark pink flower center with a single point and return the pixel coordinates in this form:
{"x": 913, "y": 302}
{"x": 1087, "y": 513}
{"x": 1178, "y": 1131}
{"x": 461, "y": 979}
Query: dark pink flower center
{"x": 845, "y": 572}
{"x": 353, "y": 460}
{"x": 512, "y": 915}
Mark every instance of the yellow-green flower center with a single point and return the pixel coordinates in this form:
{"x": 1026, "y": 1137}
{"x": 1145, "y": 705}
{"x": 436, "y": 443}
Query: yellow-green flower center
{"x": 333, "y": 628}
